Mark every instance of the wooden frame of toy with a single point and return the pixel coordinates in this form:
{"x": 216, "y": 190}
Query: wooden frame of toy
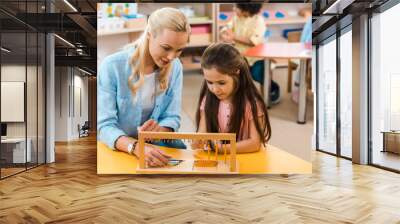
{"x": 214, "y": 164}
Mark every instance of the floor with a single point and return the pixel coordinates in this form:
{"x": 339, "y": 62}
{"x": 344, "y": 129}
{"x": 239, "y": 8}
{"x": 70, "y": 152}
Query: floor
{"x": 387, "y": 159}
{"x": 70, "y": 191}
{"x": 10, "y": 170}
{"x": 283, "y": 116}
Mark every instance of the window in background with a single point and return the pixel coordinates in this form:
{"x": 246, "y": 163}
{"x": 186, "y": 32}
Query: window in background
{"x": 327, "y": 96}
{"x": 346, "y": 94}
{"x": 385, "y": 89}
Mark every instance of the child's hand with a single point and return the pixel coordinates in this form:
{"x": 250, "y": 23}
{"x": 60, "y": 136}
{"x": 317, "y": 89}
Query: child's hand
{"x": 227, "y": 36}
{"x": 197, "y": 145}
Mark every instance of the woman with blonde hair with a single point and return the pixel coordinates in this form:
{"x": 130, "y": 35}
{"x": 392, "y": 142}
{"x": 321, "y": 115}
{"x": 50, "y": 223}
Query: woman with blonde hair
{"x": 140, "y": 87}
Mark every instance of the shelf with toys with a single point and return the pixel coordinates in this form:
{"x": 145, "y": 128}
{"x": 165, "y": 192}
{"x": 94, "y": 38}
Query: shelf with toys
{"x": 282, "y": 15}
{"x": 286, "y": 21}
{"x": 122, "y": 23}
{"x": 200, "y": 15}
{"x": 120, "y": 31}
{"x": 125, "y": 22}
{"x": 119, "y": 18}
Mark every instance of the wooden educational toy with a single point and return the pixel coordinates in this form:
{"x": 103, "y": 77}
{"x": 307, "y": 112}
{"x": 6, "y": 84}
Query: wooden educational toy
{"x": 190, "y": 162}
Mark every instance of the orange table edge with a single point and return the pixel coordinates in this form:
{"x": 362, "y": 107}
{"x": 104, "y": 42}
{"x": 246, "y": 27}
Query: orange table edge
{"x": 271, "y": 160}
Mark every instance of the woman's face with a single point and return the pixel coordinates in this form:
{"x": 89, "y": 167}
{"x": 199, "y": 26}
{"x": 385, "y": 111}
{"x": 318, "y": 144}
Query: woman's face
{"x": 221, "y": 85}
{"x": 166, "y": 46}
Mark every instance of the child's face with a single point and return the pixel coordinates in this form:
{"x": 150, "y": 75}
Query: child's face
{"x": 241, "y": 13}
{"x": 166, "y": 46}
{"x": 221, "y": 85}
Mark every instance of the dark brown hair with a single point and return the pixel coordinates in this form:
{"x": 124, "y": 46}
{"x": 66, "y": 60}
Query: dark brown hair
{"x": 251, "y": 8}
{"x": 227, "y": 60}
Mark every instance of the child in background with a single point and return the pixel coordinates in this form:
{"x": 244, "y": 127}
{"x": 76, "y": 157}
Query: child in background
{"x": 246, "y": 30}
{"x": 229, "y": 101}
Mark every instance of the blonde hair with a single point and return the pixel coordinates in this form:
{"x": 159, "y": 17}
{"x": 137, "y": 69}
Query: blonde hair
{"x": 164, "y": 18}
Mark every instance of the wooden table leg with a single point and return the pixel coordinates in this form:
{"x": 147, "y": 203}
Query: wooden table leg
{"x": 267, "y": 82}
{"x": 301, "y": 117}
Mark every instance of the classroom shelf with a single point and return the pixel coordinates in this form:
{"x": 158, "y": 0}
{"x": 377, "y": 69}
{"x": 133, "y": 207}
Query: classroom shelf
{"x": 275, "y": 24}
{"x": 121, "y": 31}
{"x": 220, "y": 24}
{"x": 276, "y": 21}
{"x": 200, "y": 40}
{"x": 191, "y": 66}
{"x": 205, "y": 44}
{"x": 188, "y": 64}
{"x": 194, "y": 21}
{"x": 286, "y": 21}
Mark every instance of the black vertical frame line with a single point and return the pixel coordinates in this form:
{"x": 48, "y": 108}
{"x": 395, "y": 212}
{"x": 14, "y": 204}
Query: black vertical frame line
{"x": 338, "y": 93}
{"x": 45, "y": 94}
{"x": 317, "y": 97}
{"x": 26, "y": 87}
{"x": 69, "y": 92}
{"x": 37, "y": 90}
{"x": 369, "y": 90}
{"x": 73, "y": 91}
{"x": 44, "y": 72}
{"x": 45, "y": 87}
{"x": 1, "y": 165}
{"x": 59, "y": 79}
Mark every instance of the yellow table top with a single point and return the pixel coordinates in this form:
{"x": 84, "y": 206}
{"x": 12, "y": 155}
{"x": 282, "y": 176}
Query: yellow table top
{"x": 266, "y": 161}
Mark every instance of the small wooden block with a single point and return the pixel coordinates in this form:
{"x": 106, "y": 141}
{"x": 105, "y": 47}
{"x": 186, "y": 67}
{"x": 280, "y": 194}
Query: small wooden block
{"x": 205, "y": 163}
{"x": 188, "y": 167}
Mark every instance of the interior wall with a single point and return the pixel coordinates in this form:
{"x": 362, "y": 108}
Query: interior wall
{"x": 61, "y": 103}
{"x": 71, "y": 102}
{"x": 80, "y": 109}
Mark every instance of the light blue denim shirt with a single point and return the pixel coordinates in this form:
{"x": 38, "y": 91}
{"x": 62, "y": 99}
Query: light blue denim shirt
{"x": 119, "y": 113}
{"x": 306, "y": 34}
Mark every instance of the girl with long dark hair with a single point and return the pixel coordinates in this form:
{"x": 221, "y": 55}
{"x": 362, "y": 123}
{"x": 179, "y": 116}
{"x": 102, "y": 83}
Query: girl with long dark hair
{"x": 229, "y": 101}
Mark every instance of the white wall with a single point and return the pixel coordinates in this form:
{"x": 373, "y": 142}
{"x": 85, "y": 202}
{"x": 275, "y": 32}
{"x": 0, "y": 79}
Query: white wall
{"x": 80, "y": 94}
{"x": 33, "y": 127}
{"x": 12, "y": 73}
{"x": 107, "y": 45}
{"x": 61, "y": 103}
{"x": 70, "y": 84}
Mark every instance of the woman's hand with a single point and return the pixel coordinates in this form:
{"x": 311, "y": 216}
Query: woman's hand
{"x": 153, "y": 156}
{"x": 152, "y": 125}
